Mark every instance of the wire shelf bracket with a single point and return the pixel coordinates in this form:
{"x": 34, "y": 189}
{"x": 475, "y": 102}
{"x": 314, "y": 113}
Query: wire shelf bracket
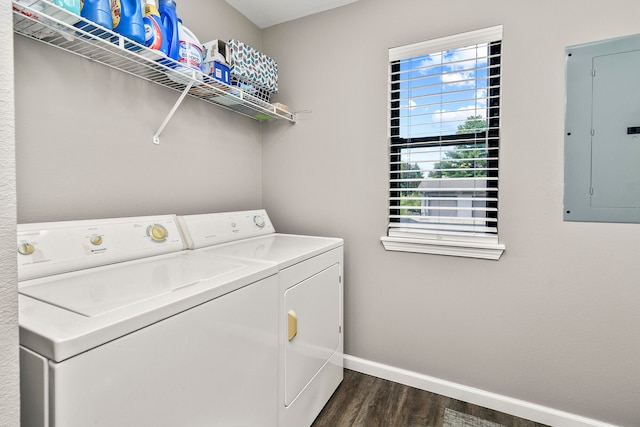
{"x": 185, "y": 92}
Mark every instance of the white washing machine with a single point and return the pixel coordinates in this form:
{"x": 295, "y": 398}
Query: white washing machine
{"x": 310, "y": 302}
{"x": 121, "y": 326}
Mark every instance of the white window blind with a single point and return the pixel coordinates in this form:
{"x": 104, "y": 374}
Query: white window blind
{"x": 444, "y": 134}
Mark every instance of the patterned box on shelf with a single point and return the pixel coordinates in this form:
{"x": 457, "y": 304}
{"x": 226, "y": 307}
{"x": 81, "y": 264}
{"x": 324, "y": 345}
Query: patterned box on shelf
{"x": 252, "y": 70}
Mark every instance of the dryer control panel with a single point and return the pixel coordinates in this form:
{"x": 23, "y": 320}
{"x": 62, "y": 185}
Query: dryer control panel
{"x": 211, "y": 229}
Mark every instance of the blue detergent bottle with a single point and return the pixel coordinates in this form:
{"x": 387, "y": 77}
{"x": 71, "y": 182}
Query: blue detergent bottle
{"x": 98, "y": 11}
{"x": 154, "y": 34}
{"x": 127, "y": 19}
{"x": 169, "y": 18}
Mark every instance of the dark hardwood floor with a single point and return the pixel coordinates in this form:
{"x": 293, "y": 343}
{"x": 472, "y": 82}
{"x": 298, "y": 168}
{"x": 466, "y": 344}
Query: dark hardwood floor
{"x": 365, "y": 401}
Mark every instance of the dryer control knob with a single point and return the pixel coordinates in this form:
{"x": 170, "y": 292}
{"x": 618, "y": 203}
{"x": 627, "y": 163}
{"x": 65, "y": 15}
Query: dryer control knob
{"x": 157, "y": 233}
{"x": 96, "y": 240}
{"x": 259, "y": 221}
{"x": 26, "y": 249}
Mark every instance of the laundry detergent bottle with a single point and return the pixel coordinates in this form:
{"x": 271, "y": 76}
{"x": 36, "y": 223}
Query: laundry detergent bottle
{"x": 127, "y": 19}
{"x": 167, "y": 9}
{"x": 98, "y": 11}
{"x": 190, "y": 48}
{"x": 154, "y": 34}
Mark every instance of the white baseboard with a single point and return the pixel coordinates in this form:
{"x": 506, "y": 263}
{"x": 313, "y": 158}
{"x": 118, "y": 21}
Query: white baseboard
{"x": 519, "y": 408}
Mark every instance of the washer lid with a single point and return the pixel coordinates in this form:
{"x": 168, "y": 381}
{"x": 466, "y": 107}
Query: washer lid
{"x": 99, "y": 291}
{"x": 67, "y": 314}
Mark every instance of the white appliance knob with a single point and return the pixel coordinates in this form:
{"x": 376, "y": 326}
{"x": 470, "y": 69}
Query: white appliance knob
{"x": 96, "y": 240}
{"x": 259, "y": 221}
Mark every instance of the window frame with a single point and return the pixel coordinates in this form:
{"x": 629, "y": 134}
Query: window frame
{"x": 484, "y": 246}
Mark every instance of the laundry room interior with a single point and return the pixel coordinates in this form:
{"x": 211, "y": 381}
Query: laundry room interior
{"x": 548, "y": 331}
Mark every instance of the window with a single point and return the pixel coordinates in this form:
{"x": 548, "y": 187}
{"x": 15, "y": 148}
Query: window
{"x": 444, "y": 134}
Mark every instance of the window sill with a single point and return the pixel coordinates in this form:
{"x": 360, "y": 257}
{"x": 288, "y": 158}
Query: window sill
{"x": 491, "y": 251}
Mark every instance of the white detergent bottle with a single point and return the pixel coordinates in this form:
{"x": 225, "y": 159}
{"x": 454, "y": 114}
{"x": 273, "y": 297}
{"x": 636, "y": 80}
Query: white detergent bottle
{"x": 190, "y": 48}
{"x": 190, "y": 57}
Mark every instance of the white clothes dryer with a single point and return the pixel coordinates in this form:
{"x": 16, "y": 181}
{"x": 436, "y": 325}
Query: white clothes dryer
{"x": 310, "y": 301}
{"x": 120, "y": 326}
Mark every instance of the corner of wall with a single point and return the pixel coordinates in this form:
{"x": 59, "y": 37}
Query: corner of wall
{"x": 9, "y": 371}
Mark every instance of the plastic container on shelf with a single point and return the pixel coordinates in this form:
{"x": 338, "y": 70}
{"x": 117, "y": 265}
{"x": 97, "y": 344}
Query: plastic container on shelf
{"x": 189, "y": 58}
{"x": 154, "y": 33}
{"x": 97, "y": 11}
{"x": 127, "y": 19}
{"x": 190, "y": 48}
{"x": 72, "y": 6}
{"x": 167, "y": 9}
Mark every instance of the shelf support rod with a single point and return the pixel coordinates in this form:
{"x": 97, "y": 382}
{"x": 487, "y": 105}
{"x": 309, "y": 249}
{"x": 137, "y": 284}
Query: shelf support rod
{"x": 156, "y": 136}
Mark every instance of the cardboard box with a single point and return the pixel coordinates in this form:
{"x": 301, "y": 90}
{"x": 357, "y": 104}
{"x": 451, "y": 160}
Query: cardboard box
{"x": 217, "y": 70}
{"x": 216, "y": 50}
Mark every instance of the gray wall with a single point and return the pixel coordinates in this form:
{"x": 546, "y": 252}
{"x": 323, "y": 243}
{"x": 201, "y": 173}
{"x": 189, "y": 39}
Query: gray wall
{"x": 84, "y": 136}
{"x": 555, "y": 321}
{"x": 9, "y": 383}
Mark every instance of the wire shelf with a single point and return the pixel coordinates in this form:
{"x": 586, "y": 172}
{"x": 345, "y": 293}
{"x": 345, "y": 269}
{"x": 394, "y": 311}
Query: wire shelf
{"x": 47, "y": 23}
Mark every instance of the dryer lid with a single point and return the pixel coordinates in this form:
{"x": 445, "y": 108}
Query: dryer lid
{"x": 285, "y": 249}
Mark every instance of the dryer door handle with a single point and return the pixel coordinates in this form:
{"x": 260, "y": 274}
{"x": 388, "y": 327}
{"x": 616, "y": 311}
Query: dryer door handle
{"x": 292, "y": 318}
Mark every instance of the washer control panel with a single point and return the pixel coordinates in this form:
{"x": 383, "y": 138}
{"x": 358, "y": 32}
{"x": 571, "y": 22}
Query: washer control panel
{"x": 211, "y": 229}
{"x": 57, "y": 247}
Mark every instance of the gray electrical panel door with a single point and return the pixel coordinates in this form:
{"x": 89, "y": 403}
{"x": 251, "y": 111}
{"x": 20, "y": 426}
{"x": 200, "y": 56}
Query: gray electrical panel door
{"x": 602, "y": 132}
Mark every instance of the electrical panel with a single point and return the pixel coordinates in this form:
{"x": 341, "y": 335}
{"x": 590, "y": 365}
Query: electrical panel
{"x": 602, "y": 131}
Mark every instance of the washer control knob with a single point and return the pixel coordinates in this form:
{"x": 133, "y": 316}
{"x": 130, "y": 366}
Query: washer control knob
{"x": 96, "y": 240}
{"x": 157, "y": 233}
{"x": 26, "y": 249}
{"x": 259, "y": 221}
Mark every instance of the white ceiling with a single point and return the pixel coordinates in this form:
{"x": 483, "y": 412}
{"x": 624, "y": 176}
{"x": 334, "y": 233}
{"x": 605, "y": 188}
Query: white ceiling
{"x": 265, "y": 13}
